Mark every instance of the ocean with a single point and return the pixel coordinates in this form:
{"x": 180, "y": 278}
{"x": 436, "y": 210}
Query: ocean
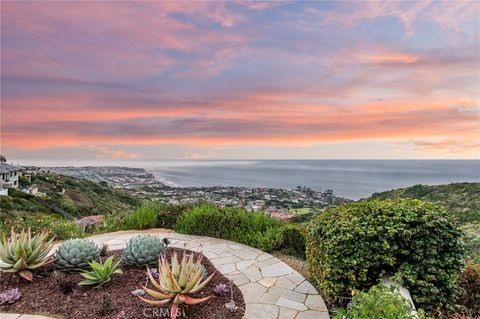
{"x": 352, "y": 179}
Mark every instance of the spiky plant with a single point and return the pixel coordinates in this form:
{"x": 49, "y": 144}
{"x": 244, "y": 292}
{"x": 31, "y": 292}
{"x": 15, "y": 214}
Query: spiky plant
{"x": 21, "y": 253}
{"x": 143, "y": 250}
{"x": 74, "y": 254}
{"x": 176, "y": 282}
{"x": 101, "y": 273}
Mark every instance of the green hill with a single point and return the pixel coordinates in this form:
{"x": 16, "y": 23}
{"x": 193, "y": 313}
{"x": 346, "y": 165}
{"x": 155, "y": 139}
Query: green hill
{"x": 65, "y": 196}
{"x": 462, "y": 200}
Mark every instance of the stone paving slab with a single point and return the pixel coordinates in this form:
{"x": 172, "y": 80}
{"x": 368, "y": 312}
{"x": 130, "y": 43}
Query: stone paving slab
{"x": 271, "y": 288}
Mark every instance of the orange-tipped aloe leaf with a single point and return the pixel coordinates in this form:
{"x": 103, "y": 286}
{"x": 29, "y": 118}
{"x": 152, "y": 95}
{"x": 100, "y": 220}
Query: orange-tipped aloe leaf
{"x": 155, "y": 302}
{"x": 194, "y": 301}
{"x": 157, "y": 295}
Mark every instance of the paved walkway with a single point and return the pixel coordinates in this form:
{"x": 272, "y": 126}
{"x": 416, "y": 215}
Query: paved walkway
{"x": 271, "y": 288}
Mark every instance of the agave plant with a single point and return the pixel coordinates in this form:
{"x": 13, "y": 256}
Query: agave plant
{"x": 176, "y": 282}
{"x": 22, "y": 253}
{"x": 74, "y": 254}
{"x": 101, "y": 273}
{"x": 143, "y": 250}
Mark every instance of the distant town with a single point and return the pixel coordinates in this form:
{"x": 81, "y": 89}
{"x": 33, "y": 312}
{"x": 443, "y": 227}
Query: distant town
{"x": 277, "y": 202}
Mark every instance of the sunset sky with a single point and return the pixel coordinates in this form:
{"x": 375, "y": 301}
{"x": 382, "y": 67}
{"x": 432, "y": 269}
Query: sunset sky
{"x": 237, "y": 79}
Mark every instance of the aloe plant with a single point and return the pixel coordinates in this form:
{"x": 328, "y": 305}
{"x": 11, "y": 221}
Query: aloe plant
{"x": 176, "y": 282}
{"x": 101, "y": 273}
{"x": 22, "y": 253}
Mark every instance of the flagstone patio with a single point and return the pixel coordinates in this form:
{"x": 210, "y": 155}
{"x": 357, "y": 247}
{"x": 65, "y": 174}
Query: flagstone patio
{"x": 271, "y": 288}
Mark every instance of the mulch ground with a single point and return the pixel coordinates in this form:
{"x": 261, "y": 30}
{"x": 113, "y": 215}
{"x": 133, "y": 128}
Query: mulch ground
{"x": 113, "y": 300}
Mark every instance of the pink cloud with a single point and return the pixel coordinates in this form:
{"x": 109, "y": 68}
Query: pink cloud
{"x": 104, "y": 152}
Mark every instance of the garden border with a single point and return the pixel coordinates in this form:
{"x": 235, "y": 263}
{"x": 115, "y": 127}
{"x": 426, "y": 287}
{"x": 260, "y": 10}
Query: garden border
{"x": 271, "y": 288}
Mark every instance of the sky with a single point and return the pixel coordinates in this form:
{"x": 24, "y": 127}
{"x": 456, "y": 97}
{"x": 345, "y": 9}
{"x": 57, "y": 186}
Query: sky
{"x": 203, "y": 80}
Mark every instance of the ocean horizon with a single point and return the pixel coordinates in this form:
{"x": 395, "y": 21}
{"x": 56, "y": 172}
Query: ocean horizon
{"x": 352, "y": 179}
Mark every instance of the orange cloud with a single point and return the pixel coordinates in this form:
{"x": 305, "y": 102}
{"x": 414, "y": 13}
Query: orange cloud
{"x": 105, "y": 152}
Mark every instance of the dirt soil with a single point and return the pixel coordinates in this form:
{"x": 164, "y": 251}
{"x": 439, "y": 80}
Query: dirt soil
{"x": 43, "y": 296}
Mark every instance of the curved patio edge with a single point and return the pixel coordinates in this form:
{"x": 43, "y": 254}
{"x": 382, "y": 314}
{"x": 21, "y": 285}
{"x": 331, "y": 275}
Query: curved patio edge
{"x": 271, "y": 288}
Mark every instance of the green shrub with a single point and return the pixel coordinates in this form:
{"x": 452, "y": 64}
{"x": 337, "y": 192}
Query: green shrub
{"x": 67, "y": 204}
{"x": 24, "y": 181}
{"x": 60, "y": 228}
{"x": 253, "y": 229}
{"x": 291, "y": 240}
{"x": 469, "y": 296}
{"x": 379, "y": 302}
{"x": 6, "y": 203}
{"x": 351, "y": 245}
{"x": 143, "y": 218}
{"x": 168, "y": 214}
{"x": 112, "y": 223}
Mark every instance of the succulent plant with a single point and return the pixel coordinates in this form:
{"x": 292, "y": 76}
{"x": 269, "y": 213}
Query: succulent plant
{"x": 60, "y": 282}
{"x": 101, "y": 273}
{"x": 22, "y": 253}
{"x": 9, "y": 296}
{"x": 74, "y": 254}
{"x": 176, "y": 282}
{"x": 220, "y": 289}
{"x": 143, "y": 250}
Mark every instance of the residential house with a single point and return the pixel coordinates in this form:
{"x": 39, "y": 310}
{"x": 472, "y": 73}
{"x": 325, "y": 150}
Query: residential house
{"x": 9, "y": 175}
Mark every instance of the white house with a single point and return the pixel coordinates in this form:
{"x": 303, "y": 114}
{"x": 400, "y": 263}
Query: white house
{"x": 9, "y": 175}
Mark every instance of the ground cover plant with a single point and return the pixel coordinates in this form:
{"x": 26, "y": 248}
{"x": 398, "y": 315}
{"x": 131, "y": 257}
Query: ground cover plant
{"x": 349, "y": 246}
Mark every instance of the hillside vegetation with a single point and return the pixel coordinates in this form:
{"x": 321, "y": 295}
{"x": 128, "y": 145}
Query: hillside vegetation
{"x": 462, "y": 201}
{"x": 64, "y": 196}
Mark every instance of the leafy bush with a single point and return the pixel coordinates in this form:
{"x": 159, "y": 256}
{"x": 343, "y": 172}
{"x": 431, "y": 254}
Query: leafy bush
{"x": 6, "y": 202}
{"x": 253, "y": 229}
{"x": 168, "y": 214}
{"x": 24, "y": 181}
{"x": 60, "y": 228}
{"x": 380, "y": 302}
{"x": 351, "y": 245}
{"x": 112, "y": 223}
{"x": 143, "y": 218}
{"x": 291, "y": 240}
{"x": 469, "y": 295}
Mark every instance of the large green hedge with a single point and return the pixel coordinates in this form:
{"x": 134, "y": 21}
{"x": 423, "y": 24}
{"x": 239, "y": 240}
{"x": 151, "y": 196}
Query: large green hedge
{"x": 236, "y": 224}
{"x": 349, "y": 246}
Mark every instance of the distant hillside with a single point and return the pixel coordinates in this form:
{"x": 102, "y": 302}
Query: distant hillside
{"x": 462, "y": 200}
{"x": 66, "y": 196}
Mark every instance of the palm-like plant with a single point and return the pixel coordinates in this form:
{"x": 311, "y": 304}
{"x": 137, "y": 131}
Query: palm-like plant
{"x": 176, "y": 282}
{"x": 22, "y": 253}
{"x": 101, "y": 273}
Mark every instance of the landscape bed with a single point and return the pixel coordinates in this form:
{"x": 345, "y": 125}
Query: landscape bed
{"x": 42, "y": 296}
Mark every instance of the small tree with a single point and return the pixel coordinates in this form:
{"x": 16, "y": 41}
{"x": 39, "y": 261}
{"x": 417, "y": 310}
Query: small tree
{"x": 3, "y": 159}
